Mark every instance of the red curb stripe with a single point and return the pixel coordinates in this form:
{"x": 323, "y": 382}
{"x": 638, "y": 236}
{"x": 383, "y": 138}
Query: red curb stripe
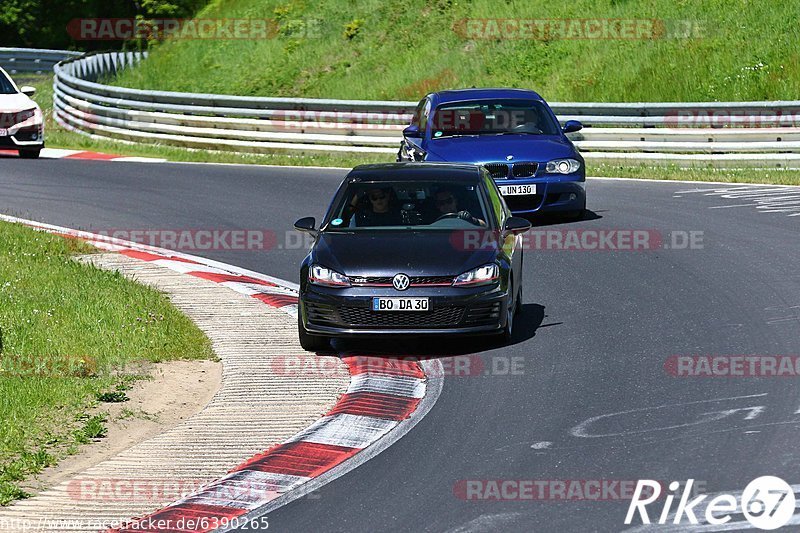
{"x": 308, "y": 459}
{"x": 222, "y": 278}
{"x": 276, "y": 300}
{"x": 383, "y": 365}
{"x": 375, "y": 404}
{"x": 147, "y": 256}
{"x": 92, "y": 156}
{"x": 195, "y": 517}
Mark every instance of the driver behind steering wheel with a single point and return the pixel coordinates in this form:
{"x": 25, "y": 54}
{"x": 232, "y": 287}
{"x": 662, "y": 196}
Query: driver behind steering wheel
{"x": 447, "y": 204}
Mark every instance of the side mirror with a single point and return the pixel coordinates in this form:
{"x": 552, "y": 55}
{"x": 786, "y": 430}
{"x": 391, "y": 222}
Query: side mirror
{"x": 517, "y": 225}
{"x": 27, "y": 90}
{"x": 572, "y": 126}
{"x": 306, "y": 224}
{"x": 412, "y": 131}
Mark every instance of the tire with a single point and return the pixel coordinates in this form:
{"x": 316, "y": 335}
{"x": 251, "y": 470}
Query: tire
{"x": 504, "y": 337}
{"x": 309, "y": 342}
{"x": 29, "y": 154}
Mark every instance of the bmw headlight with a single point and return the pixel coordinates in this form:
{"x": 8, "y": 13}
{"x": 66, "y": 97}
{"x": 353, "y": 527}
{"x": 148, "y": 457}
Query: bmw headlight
{"x": 319, "y": 275}
{"x": 483, "y": 275}
{"x": 563, "y": 166}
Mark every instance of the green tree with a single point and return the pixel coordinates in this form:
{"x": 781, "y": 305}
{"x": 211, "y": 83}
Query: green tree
{"x": 44, "y": 23}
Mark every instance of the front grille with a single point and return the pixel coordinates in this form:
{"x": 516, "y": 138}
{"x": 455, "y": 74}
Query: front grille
{"x": 431, "y": 280}
{"x": 322, "y": 314}
{"x": 554, "y": 197}
{"x": 497, "y": 170}
{"x": 447, "y": 316}
{"x": 483, "y": 314}
{"x": 27, "y": 134}
{"x": 523, "y": 202}
{"x": 524, "y": 170}
{"x": 415, "y": 280}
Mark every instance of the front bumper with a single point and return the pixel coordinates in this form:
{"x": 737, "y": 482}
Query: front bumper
{"x": 28, "y": 137}
{"x": 552, "y": 196}
{"x": 453, "y": 311}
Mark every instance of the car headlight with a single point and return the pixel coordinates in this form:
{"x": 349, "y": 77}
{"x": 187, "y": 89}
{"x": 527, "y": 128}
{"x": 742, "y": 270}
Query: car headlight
{"x": 22, "y": 116}
{"x": 319, "y": 275}
{"x": 563, "y": 166}
{"x": 483, "y": 275}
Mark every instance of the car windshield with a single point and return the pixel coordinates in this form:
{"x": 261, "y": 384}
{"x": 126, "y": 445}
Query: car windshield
{"x": 417, "y": 205}
{"x": 493, "y": 117}
{"x": 6, "y": 87}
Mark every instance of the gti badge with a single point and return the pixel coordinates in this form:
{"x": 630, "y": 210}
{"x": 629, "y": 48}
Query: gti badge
{"x": 509, "y": 157}
{"x": 401, "y": 282}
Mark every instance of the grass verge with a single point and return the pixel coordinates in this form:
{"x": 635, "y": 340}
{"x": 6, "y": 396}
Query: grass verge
{"x": 372, "y": 49}
{"x": 69, "y": 334}
{"x": 744, "y": 175}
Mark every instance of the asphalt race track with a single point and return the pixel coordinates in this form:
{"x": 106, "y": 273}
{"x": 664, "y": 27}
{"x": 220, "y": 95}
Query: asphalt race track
{"x": 589, "y": 397}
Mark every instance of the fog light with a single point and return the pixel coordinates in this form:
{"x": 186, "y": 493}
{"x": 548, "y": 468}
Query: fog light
{"x": 572, "y": 197}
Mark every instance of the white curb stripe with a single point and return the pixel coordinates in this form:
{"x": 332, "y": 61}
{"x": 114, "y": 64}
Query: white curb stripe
{"x": 394, "y": 385}
{"x": 351, "y": 431}
{"x": 185, "y": 268}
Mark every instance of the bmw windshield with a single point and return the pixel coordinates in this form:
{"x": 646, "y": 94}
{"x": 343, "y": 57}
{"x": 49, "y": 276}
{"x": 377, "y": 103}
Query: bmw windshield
{"x": 493, "y": 117}
{"x": 417, "y": 205}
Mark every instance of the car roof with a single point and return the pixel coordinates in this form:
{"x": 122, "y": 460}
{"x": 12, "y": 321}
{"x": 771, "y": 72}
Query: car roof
{"x": 415, "y": 172}
{"x": 460, "y": 95}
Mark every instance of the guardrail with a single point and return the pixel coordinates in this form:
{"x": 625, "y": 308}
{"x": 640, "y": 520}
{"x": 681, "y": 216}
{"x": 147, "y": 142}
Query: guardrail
{"x": 25, "y": 60}
{"x": 650, "y": 133}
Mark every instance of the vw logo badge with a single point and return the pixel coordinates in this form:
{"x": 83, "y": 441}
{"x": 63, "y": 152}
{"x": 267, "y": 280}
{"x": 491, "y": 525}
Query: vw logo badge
{"x": 401, "y": 282}
{"x": 509, "y": 157}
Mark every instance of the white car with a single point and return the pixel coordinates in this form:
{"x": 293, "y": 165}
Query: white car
{"x": 21, "y": 121}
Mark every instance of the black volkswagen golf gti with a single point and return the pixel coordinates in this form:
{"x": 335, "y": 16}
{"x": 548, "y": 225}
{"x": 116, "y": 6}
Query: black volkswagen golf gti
{"x": 412, "y": 248}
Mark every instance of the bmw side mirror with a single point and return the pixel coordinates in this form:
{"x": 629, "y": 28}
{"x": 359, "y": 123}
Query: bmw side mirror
{"x": 27, "y": 90}
{"x": 412, "y": 131}
{"x": 517, "y": 225}
{"x": 572, "y": 126}
{"x": 306, "y": 224}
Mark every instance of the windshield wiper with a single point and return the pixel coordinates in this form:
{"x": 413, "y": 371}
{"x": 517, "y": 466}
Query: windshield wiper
{"x": 519, "y": 133}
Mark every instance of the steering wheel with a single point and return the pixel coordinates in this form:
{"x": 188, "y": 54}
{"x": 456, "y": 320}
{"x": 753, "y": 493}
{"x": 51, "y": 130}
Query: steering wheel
{"x": 446, "y": 215}
{"x": 527, "y": 127}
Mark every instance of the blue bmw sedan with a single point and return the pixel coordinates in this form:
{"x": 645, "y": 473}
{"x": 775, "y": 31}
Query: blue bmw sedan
{"x": 511, "y": 132}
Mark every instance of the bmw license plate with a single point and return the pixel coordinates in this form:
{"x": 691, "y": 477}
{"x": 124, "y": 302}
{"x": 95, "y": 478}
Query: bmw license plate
{"x": 513, "y": 190}
{"x": 400, "y": 304}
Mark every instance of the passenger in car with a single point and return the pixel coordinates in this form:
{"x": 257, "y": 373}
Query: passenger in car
{"x": 447, "y": 203}
{"x": 380, "y": 208}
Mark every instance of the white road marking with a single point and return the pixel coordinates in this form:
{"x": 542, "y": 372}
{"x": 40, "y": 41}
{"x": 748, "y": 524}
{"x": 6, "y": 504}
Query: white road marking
{"x": 764, "y": 199}
{"x": 581, "y": 430}
{"x": 486, "y": 523}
